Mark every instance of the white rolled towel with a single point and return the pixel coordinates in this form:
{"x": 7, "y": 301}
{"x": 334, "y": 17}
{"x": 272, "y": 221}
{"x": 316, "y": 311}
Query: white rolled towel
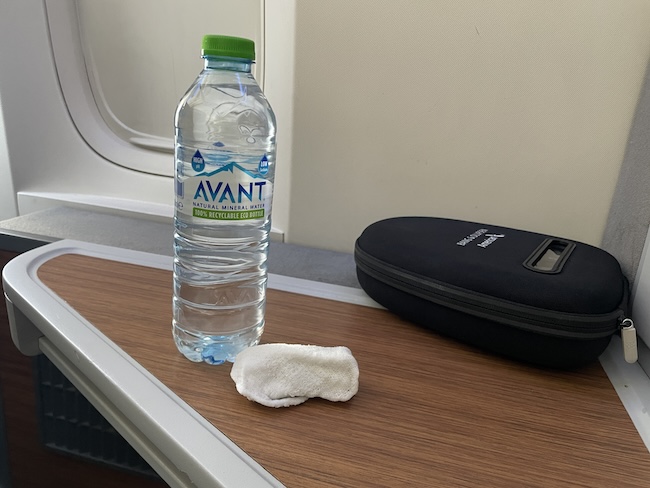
{"x": 282, "y": 375}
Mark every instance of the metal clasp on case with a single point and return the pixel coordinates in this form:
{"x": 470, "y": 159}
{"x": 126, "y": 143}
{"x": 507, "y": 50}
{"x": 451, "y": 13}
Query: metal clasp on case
{"x": 628, "y": 338}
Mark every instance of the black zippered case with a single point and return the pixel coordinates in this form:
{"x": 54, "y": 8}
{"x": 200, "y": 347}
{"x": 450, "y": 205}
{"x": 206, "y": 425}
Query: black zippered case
{"x": 535, "y": 298}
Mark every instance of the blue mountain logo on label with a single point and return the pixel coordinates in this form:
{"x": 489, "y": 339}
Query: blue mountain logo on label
{"x": 263, "y": 167}
{"x": 230, "y": 167}
{"x": 198, "y": 164}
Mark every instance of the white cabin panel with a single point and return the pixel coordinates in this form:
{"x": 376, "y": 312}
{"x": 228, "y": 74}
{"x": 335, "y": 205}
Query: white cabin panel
{"x": 507, "y": 112}
{"x": 513, "y": 113}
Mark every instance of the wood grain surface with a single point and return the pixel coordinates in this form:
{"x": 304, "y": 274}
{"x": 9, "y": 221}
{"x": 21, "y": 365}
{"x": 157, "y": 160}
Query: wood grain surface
{"x": 429, "y": 413}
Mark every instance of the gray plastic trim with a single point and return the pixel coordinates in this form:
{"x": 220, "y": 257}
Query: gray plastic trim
{"x": 184, "y": 448}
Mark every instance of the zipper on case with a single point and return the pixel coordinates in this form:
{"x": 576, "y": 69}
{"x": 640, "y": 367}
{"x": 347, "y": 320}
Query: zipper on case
{"x": 549, "y": 322}
{"x": 628, "y": 338}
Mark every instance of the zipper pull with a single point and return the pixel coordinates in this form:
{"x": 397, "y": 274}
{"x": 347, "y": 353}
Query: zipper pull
{"x": 628, "y": 337}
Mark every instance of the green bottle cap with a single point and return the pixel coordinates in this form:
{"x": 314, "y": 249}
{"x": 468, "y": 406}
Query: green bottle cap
{"x": 232, "y": 47}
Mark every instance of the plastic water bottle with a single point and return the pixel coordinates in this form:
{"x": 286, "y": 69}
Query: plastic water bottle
{"x": 225, "y": 164}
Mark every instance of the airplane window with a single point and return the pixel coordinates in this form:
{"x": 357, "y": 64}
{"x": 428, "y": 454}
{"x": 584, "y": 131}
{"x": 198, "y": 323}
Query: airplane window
{"x": 140, "y": 57}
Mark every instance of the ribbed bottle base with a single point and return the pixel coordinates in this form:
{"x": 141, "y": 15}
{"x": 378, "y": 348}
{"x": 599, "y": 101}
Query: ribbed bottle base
{"x": 215, "y": 349}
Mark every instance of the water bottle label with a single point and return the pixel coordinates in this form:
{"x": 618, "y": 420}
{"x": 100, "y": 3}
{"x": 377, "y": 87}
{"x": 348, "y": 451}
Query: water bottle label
{"x": 210, "y": 189}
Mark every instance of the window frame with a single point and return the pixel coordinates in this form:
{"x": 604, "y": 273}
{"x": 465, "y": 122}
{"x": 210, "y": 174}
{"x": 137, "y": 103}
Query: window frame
{"x": 92, "y": 117}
